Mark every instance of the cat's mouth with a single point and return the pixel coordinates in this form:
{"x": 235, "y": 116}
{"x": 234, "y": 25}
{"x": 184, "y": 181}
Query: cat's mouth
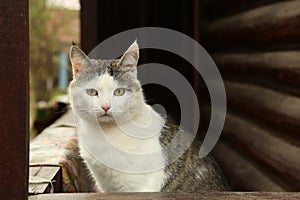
{"x": 105, "y": 118}
{"x": 106, "y": 115}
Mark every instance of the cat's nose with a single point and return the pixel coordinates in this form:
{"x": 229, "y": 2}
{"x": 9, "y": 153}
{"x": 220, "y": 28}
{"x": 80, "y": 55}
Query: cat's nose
{"x": 105, "y": 108}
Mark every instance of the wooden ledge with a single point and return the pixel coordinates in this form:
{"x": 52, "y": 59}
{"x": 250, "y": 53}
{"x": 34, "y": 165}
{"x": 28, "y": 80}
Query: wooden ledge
{"x": 174, "y": 196}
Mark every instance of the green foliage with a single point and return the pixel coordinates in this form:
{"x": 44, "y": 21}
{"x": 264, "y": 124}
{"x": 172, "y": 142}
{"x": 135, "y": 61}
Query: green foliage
{"x": 51, "y": 30}
{"x": 41, "y": 49}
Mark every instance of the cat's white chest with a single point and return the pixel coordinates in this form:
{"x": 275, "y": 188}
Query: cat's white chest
{"x": 109, "y": 179}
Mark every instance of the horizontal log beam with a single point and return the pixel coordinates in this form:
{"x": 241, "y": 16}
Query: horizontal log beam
{"x": 277, "y": 109}
{"x": 241, "y": 173}
{"x": 267, "y": 27}
{"x": 263, "y": 146}
{"x": 216, "y": 8}
{"x": 281, "y": 67}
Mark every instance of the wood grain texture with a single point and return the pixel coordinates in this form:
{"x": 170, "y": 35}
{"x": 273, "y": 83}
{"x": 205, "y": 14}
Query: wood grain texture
{"x": 245, "y": 176}
{"x": 279, "y": 156}
{"x": 40, "y": 178}
{"x": 174, "y": 196}
{"x": 14, "y": 87}
{"x": 275, "y": 109}
{"x": 216, "y": 8}
{"x": 267, "y": 27}
{"x": 281, "y": 67}
{"x": 256, "y": 46}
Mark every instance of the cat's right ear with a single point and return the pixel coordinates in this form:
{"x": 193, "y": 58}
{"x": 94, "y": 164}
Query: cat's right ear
{"x": 79, "y": 60}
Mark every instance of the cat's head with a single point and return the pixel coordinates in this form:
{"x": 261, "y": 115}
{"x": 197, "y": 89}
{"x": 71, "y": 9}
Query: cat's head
{"x": 107, "y": 89}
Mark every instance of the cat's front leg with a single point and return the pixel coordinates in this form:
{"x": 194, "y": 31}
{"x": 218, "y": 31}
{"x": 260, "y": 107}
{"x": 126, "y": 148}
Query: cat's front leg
{"x": 98, "y": 188}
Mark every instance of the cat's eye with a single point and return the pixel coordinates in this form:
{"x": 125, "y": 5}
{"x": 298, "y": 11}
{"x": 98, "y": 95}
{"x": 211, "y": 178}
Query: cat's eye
{"x": 119, "y": 91}
{"x": 92, "y": 92}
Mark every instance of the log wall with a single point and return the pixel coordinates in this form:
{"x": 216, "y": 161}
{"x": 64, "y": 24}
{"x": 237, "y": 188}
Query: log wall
{"x": 256, "y": 45}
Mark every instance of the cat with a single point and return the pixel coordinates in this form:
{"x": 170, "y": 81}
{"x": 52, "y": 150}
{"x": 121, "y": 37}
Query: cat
{"x": 107, "y": 94}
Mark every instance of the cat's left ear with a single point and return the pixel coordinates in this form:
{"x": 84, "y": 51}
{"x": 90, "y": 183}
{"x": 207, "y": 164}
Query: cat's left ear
{"x": 130, "y": 57}
{"x": 79, "y": 60}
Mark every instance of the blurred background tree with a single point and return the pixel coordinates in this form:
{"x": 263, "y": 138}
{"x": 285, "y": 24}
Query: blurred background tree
{"x": 41, "y": 50}
{"x": 52, "y": 28}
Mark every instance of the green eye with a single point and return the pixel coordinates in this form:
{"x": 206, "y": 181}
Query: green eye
{"x": 92, "y": 92}
{"x": 119, "y": 91}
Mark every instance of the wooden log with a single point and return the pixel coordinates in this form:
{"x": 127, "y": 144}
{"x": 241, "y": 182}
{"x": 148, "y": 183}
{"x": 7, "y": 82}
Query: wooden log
{"x": 241, "y": 173}
{"x": 281, "y": 67}
{"x": 267, "y": 27}
{"x": 215, "y": 8}
{"x": 278, "y": 155}
{"x": 277, "y": 110}
{"x": 174, "y": 196}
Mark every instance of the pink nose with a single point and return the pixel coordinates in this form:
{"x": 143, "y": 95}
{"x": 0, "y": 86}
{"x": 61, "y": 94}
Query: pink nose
{"x": 105, "y": 108}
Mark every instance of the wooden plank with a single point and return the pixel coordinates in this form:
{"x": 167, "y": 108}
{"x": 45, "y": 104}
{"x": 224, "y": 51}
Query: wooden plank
{"x": 14, "y": 117}
{"x": 56, "y": 111}
{"x": 241, "y": 173}
{"x": 66, "y": 120}
{"x": 40, "y": 178}
{"x": 281, "y": 157}
{"x": 282, "y": 67}
{"x": 281, "y": 111}
{"x": 174, "y": 196}
{"x": 266, "y": 27}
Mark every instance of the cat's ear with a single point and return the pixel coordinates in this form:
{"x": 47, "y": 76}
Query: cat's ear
{"x": 130, "y": 57}
{"x": 79, "y": 60}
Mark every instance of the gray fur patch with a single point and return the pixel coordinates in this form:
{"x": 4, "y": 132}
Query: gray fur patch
{"x": 189, "y": 173}
{"x": 123, "y": 75}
